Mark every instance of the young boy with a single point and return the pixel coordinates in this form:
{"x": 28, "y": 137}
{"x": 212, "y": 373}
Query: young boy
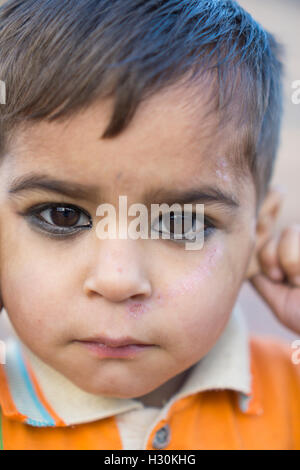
{"x": 125, "y": 343}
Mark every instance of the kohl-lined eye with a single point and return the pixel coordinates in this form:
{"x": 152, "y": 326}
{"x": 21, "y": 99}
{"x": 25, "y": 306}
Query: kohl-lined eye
{"x": 59, "y": 218}
{"x": 183, "y": 227}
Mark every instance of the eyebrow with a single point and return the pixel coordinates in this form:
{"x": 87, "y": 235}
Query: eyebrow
{"x": 43, "y": 182}
{"x": 207, "y": 194}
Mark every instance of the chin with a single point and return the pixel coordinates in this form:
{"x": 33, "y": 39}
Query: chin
{"x": 99, "y": 389}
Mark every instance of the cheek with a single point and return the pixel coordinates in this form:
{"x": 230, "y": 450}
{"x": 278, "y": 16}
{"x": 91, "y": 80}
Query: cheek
{"x": 29, "y": 306}
{"x": 201, "y": 301}
{"x": 199, "y": 275}
{"x": 199, "y": 316}
{"x": 33, "y": 294}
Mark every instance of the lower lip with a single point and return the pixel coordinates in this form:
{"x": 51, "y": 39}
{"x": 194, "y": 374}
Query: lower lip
{"x": 101, "y": 350}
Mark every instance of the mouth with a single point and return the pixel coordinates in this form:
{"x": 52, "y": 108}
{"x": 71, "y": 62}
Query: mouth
{"x": 114, "y": 342}
{"x": 115, "y": 348}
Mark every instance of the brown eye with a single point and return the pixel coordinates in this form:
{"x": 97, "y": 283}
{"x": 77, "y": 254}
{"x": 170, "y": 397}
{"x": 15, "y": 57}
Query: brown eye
{"x": 58, "y": 219}
{"x": 181, "y": 228}
{"x": 176, "y": 223}
{"x": 64, "y": 216}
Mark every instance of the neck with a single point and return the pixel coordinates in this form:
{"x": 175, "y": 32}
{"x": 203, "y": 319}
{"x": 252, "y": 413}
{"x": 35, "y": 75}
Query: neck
{"x": 159, "y": 396}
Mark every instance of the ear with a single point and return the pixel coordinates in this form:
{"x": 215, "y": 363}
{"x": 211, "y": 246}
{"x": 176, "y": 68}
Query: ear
{"x": 265, "y": 226}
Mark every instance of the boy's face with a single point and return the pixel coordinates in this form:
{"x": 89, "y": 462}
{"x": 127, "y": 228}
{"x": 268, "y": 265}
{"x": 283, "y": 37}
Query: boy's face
{"x": 59, "y": 291}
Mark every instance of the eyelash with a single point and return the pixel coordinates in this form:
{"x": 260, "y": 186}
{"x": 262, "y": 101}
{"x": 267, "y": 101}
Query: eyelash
{"x": 33, "y": 214}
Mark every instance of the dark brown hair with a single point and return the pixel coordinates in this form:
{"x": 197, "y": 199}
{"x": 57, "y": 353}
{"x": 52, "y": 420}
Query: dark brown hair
{"x": 60, "y": 56}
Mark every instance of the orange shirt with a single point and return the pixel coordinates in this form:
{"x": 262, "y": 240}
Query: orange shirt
{"x": 269, "y": 418}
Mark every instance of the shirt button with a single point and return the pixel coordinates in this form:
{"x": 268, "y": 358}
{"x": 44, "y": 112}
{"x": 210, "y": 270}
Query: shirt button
{"x": 162, "y": 437}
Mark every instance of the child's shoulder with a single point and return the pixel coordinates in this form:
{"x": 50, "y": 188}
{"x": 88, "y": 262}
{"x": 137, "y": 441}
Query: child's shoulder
{"x": 267, "y": 347}
{"x": 275, "y": 363}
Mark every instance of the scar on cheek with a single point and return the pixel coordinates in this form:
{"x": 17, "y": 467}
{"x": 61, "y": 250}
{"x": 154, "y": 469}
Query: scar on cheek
{"x": 192, "y": 280}
{"x": 181, "y": 286}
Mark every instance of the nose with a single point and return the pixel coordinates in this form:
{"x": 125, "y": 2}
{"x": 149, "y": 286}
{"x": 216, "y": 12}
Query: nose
{"x": 118, "y": 272}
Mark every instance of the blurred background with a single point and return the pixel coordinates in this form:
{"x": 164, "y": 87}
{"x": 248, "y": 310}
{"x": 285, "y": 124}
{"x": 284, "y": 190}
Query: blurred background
{"x": 282, "y": 18}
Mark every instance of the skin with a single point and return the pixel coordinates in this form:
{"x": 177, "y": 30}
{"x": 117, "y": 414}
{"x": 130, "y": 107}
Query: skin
{"x": 278, "y": 277}
{"x": 57, "y": 291}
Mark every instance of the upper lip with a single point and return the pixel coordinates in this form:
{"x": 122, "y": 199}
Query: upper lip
{"x": 113, "y": 342}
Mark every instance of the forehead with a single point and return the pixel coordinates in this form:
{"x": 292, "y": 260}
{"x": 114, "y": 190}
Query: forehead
{"x": 170, "y": 141}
